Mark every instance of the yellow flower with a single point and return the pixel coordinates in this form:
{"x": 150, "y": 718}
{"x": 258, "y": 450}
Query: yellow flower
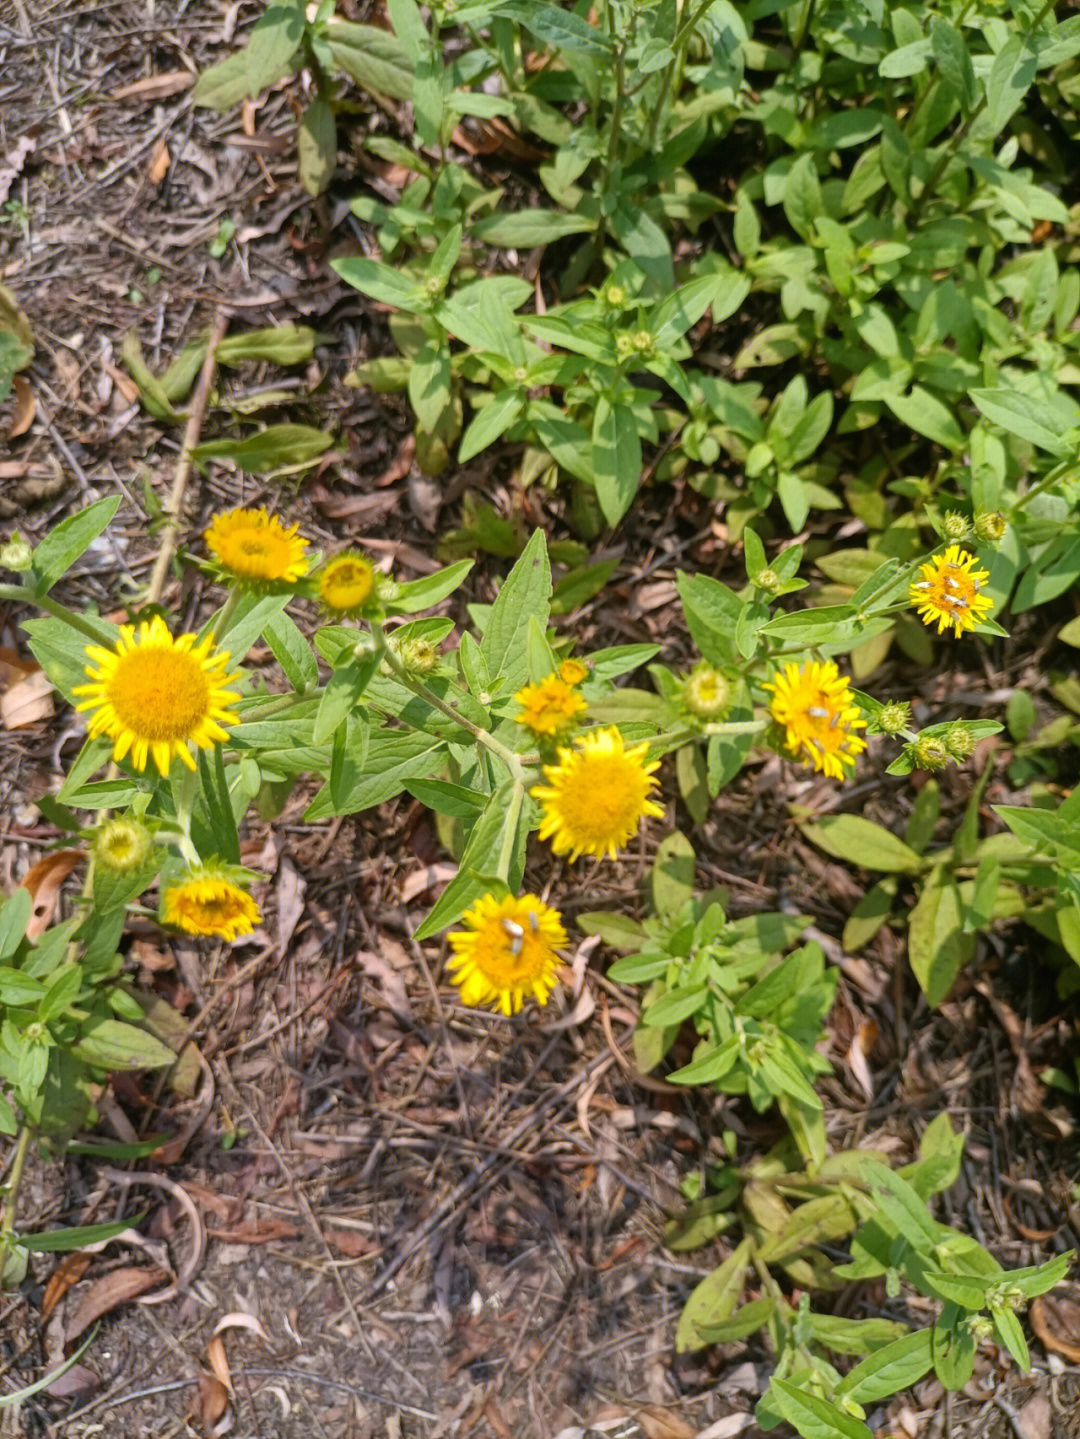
{"x": 550, "y": 707}
{"x": 155, "y": 695}
{"x": 572, "y": 672}
{"x": 207, "y": 902}
{"x": 949, "y": 591}
{"x": 256, "y": 548}
{"x": 596, "y": 795}
{"x": 508, "y": 952}
{"x": 347, "y": 584}
{"x": 813, "y": 703}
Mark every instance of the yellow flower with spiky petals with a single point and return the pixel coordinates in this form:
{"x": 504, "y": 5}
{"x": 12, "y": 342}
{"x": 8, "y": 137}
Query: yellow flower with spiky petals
{"x": 507, "y": 953}
{"x": 156, "y": 696}
{"x": 949, "y": 591}
{"x": 596, "y": 795}
{"x": 256, "y": 549}
{"x": 549, "y": 708}
{"x": 347, "y": 584}
{"x": 207, "y": 902}
{"x": 813, "y": 704}
{"x": 572, "y": 671}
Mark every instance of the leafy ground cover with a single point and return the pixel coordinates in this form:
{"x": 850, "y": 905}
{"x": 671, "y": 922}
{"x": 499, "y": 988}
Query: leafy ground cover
{"x": 706, "y": 347}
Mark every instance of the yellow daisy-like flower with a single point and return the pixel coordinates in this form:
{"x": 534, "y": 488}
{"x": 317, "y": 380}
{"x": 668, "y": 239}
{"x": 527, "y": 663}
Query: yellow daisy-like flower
{"x": 550, "y": 707}
{"x": 597, "y": 794}
{"x": 156, "y": 696}
{"x": 256, "y": 548}
{"x": 507, "y": 954}
{"x": 208, "y": 902}
{"x": 949, "y": 591}
{"x": 347, "y": 584}
{"x": 572, "y": 672}
{"x": 813, "y": 703}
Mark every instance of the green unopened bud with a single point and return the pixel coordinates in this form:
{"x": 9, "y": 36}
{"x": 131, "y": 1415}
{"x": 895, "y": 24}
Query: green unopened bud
{"x": 17, "y": 554}
{"x": 928, "y": 752}
{"x": 894, "y": 717}
{"x": 615, "y": 296}
{"x": 960, "y": 742}
{"x": 643, "y": 342}
{"x": 767, "y": 580}
{"x": 706, "y": 692}
{"x": 521, "y": 375}
{"x": 624, "y": 344}
{"x": 121, "y": 846}
{"x": 979, "y": 1327}
{"x": 990, "y": 526}
{"x": 416, "y": 656}
{"x": 955, "y": 526}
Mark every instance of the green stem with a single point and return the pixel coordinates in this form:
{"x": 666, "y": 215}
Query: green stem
{"x": 418, "y": 688}
{"x": 225, "y": 615}
{"x": 513, "y": 815}
{"x": 69, "y": 617}
{"x": 7, "y": 1227}
{"x": 685, "y": 30}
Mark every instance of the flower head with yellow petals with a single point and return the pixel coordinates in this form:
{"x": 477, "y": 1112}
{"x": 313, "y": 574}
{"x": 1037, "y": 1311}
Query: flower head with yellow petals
{"x": 255, "y": 550}
{"x": 573, "y": 672}
{"x": 507, "y": 952}
{"x": 813, "y": 704}
{"x": 949, "y": 591}
{"x": 549, "y": 708}
{"x": 596, "y": 795}
{"x": 207, "y": 902}
{"x": 155, "y": 695}
{"x": 347, "y": 584}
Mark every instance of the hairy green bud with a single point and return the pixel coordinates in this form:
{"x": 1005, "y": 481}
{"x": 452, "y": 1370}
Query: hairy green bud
{"x": 706, "y": 692}
{"x": 121, "y": 846}
{"x": 928, "y": 752}
{"x": 960, "y": 742}
{"x": 17, "y": 554}
{"x": 990, "y": 526}
{"x": 894, "y": 717}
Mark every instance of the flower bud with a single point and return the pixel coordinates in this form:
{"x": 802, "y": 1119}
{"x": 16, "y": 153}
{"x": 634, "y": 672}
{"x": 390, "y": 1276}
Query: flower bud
{"x": 928, "y": 752}
{"x": 643, "y": 342}
{"x": 706, "y": 692}
{"x": 121, "y": 846}
{"x": 894, "y": 717}
{"x": 960, "y": 742}
{"x": 767, "y": 580}
{"x": 417, "y": 656}
{"x": 17, "y": 554}
{"x": 615, "y": 296}
{"x": 955, "y": 526}
{"x": 990, "y": 526}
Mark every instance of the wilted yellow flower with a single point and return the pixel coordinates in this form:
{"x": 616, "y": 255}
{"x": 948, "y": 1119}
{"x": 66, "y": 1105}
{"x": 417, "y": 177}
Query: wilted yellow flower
{"x": 155, "y": 695}
{"x": 347, "y": 584}
{"x": 507, "y": 953}
{"x": 596, "y": 794}
{"x": 207, "y": 902}
{"x": 813, "y": 704}
{"x": 549, "y": 708}
{"x": 255, "y": 548}
{"x": 949, "y": 591}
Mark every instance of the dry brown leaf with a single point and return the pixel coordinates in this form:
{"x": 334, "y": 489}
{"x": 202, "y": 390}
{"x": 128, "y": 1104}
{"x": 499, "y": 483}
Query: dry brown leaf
{"x": 210, "y": 1402}
{"x": 43, "y": 880}
{"x": 219, "y": 1361}
{"x": 263, "y": 1231}
{"x": 110, "y": 1291}
{"x": 66, "y": 1274}
{"x": 351, "y": 1242}
{"x": 1033, "y": 1420}
{"x": 25, "y": 407}
{"x": 863, "y": 1041}
{"x": 155, "y": 87}
{"x": 392, "y": 984}
{"x": 160, "y": 160}
{"x": 13, "y": 667}
{"x": 78, "y": 1382}
{"x": 664, "y": 1424}
{"x": 238, "y": 1319}
{"x": 123, "y": 382}
{"x": 13, "y": 164}
{"x": 1055, "y": 1318}
{"x": 26, "y": 702}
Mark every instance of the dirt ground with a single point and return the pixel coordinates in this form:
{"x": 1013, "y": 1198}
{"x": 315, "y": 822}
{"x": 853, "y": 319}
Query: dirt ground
{"x": 412, "y": 1219}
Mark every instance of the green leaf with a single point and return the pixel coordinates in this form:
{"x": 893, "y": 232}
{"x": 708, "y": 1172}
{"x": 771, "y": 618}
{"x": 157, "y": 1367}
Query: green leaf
{"x": 639, "y": 968}
{"x": 812, "y": 1417}
{"x": 65, "y": 542}
{"x": 392, "y": 758}
{"x": 937, "y": 945}
{"x": 282, "y": 344}
{"x": 683, "y": 309}
{"x": 316, "y": 146}
{"x": 273, "y": 448}
{"x": 525, "y": 228}
{"x": 711, "y": 1066}
{"x": 927, "y": 415}
{"x": 672, "y": 879}
{"x": 111, "y": 1044}
{"x": 578, "y": 586}
{"x": 1009, "y": 1333}
{"x": 616, "y": 930}
{"x": 616, "y": 458}
{"x": 62, "y": 1241}
{"x": 714, "y": 1299}
{"x": 18, "y": 988}
{"x": 861, "y": 842}
{"x": 493, "y": 420}
{"x": 446, "y": 798}
{"x": 15, "y": 915}
{"x": 895, "y": 1367}
{"x": 902, "y": 1205}
{"x": 803, "y": 202}
{"x": 273, "y": 42}
{"x": 672, "y": 1009}
{"x": 343, "y": 692}
{"x": 213, "y": 826}
{"x": 954, "y": 62}
{"x": 526, "y": 592}
{"x": 292, "y": 652}
{"x": 561, "y": 29}
{"x": 429, "y": 384}
{"x": 1023, "y": 415}
{"x": 496, "y": 838}
{"x": 382, "y": 283}
{"x": 746, "y": 1321}
{"x": 712, "y": 614}
{"x": 373, "y": 57}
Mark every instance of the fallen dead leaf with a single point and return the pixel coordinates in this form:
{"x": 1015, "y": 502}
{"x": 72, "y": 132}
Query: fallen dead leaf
{"x": 863, "y": 1041}
{"x": 109, "y": 1292}
{"x": 1055, "y": 1318}
{"x": 238, "y": 1319}
{"x": 264, "y": 1231}
{"x": 1033, "y": 1420}
{"x": 210, "y": 1402}
{"x": 351, "y": 1242}
{"x": 25, "y": 407}
{"x": 393, "y": 985}
{"x": 155, "y": 87}
{"x": 160, "y": 160}
{"x": 78, "y": 1382}
{"x": 27, "y": 702}
{"x": 66, "y": 1274}
{"x": 219, "y": 1361}
{"x": 664, "y": 1424}
{"x": 43, "y": 880}
{"x": 728, "y": 1427}
{"x": 13, "y": 164}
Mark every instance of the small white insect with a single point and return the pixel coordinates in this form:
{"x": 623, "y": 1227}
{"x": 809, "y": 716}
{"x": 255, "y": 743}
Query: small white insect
{"x": 516, "y": 934}
{"x": 816, "y": 712}
{"x": 951, "y": 582}
{"x": 534, "y": 923}
{"x": 956, "y": 602}
{"x": 923, "y": 585}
